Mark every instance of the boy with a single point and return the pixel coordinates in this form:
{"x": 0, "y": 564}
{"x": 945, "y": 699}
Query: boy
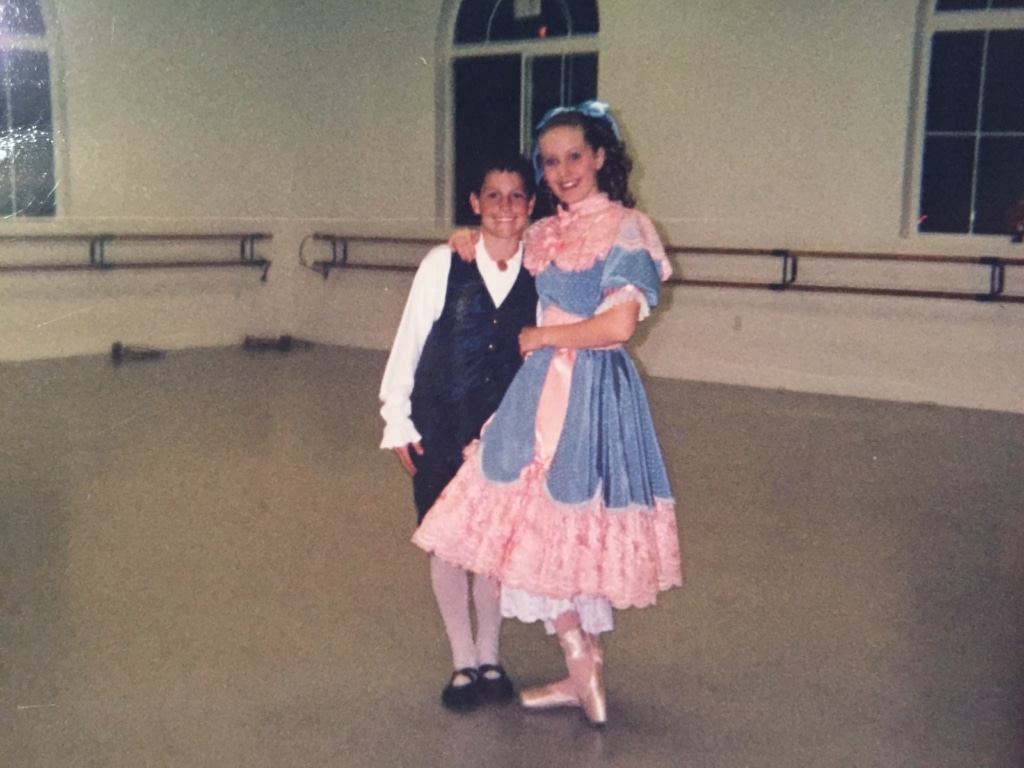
{"x": 455, "y": 354}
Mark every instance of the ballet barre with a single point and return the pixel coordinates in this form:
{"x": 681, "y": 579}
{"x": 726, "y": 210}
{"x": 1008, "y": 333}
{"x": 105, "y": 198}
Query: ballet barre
{"x": 98, "y": 261}
{"x": 995, "y": 271}
{"x": 785, "y": 262}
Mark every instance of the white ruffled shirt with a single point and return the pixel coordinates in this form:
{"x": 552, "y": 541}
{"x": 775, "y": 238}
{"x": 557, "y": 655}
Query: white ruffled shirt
{"x": 422, "y": 309}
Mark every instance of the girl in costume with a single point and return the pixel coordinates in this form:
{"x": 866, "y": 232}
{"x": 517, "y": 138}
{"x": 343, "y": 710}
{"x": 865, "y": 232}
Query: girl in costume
{"x": 564, "y": 499}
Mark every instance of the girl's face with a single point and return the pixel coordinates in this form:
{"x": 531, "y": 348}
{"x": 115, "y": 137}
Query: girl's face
{"x": 570, "y": 165}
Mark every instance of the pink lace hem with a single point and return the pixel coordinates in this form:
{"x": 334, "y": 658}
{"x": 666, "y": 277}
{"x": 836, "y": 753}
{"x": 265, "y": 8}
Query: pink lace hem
{"x": 519, "y": 535}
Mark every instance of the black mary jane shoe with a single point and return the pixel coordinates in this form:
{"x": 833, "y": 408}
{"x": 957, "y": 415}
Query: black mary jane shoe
{"x": 462, "y": 697}
{"x": 495, "y": 684}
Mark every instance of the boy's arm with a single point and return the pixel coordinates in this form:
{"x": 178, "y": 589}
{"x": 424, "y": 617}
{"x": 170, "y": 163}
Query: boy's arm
{"x": 422, "y": 307}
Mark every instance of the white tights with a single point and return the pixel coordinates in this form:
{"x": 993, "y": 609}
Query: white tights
{"x": 451, "y": 590}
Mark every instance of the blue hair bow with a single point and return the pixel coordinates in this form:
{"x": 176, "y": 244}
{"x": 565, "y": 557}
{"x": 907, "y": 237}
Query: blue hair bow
{"x": 596, "y": 109}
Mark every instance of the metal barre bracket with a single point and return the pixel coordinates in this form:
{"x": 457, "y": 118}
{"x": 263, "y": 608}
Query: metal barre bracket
{"x": 96, "y": 251}
{"x": 788, "y": 270}
{"x": 247, "y": 252}
{"x": 325, "y": 267}
{"x": 996, "y": 278}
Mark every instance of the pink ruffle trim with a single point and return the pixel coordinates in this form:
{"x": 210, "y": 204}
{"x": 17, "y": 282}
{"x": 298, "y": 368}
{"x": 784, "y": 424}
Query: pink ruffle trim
{"x": 574, "y": 240}
{"x": 519, "y": 535}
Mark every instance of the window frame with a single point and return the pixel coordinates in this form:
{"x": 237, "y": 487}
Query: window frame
{"x": 930, "y": 22}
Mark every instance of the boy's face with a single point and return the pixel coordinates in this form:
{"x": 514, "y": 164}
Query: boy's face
{"x": 502, "y": 205}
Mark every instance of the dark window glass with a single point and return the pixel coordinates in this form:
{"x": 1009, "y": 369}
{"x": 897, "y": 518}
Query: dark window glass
{"x": 487, "y": 119}
{"x": 1000, "y": 182}
{"x": 960, "y": 5}
{"x": 28, "y": 75}
{"x": 481, "y": 21}
{"x": 1003, "y": 106}
{"x": 560, "y": 80}
{"x": 21, "y": 17}
{"x": 946, "y": 184}
{"x": 26, "y": 139}
{"x": 973, "y": 164}
{"x": 954, "y": 81}
{"x": 976, "y": 5}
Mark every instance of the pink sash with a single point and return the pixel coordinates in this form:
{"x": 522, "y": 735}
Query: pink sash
{"x": 554, "y": 397}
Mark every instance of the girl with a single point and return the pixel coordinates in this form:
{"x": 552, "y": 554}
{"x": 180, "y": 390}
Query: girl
{"x": 565, "y": 499}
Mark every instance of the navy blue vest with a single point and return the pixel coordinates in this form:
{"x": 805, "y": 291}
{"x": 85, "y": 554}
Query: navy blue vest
{"x": 469, "y": 358}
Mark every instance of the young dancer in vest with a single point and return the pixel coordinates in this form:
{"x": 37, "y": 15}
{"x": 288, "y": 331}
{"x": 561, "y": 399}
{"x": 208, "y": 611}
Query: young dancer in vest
{"x": 455, "y": 354}
{"x": 565, "y": 499}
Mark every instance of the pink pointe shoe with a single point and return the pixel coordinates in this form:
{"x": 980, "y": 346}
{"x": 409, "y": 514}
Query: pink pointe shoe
{"x": 585, "y": 660}
{"x": 558, "y": 694}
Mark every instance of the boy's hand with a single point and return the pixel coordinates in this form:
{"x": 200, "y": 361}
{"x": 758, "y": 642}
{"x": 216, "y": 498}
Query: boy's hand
{"x": 402, "y": 452}
{"x": 463, "y": 242}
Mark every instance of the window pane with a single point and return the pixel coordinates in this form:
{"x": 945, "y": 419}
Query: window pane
{"x": 26, "y": 141}
{"x": 954, "y": 80}
{"x": 960, "y": 5}
{"x": 481, "y": 21}
{"x": 6, "y": 178}
{"x": 21, "y": 17}
{"x": 561, "y": 80}
{"x": 487, "y": 90}
{"x": 946, "y": 185}
{"x": 1000, "y": 183}
{"x": 28, "y": 74}
{"x": 33, "y": 174}
{"x": 1003, "y": 108}
{"x": 1008, "y": 3}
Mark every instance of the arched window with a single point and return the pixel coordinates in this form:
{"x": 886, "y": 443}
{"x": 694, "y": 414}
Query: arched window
{"x": 511, "y": 61}
{"x": 972, "y": 148}
{"x": 26, "y": 116}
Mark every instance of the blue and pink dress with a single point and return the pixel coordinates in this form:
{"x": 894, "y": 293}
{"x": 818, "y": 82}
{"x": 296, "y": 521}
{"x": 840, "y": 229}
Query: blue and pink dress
{"x": 564, "y": 499}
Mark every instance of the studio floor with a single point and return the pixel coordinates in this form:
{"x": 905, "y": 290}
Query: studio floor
{"x": 205, "y": 562}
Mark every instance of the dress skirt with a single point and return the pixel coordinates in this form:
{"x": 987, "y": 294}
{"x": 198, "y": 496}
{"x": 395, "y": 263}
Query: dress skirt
{"x": 565, "y": 496}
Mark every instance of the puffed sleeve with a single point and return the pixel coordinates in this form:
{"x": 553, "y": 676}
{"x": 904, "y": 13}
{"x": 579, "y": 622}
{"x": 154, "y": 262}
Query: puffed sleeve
{"x": 636, "y": 265}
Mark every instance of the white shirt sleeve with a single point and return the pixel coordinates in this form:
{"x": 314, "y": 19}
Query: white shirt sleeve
{"x": 422, "y": 308}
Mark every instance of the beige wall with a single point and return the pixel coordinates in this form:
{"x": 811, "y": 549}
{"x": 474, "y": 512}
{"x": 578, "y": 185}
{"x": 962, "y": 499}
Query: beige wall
{"x": 753, "y": 124}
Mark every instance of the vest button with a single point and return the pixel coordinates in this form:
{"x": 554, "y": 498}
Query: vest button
{"x": 490, "y": 347}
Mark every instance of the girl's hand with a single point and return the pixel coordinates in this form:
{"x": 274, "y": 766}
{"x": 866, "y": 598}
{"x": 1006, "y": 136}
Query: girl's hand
{"x": 463, "y": 242}
{"x": 530, "y": 340}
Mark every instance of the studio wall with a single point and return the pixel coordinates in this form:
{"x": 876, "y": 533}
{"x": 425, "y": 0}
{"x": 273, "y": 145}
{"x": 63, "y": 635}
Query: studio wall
{"x": 757, "y": 125}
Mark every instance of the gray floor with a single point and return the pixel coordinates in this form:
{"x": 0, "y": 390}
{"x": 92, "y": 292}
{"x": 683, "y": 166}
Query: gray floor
{"x": 205, "y": 562}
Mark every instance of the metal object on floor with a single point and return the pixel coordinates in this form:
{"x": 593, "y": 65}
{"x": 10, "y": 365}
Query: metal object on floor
{"x": 120, "y": 353}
